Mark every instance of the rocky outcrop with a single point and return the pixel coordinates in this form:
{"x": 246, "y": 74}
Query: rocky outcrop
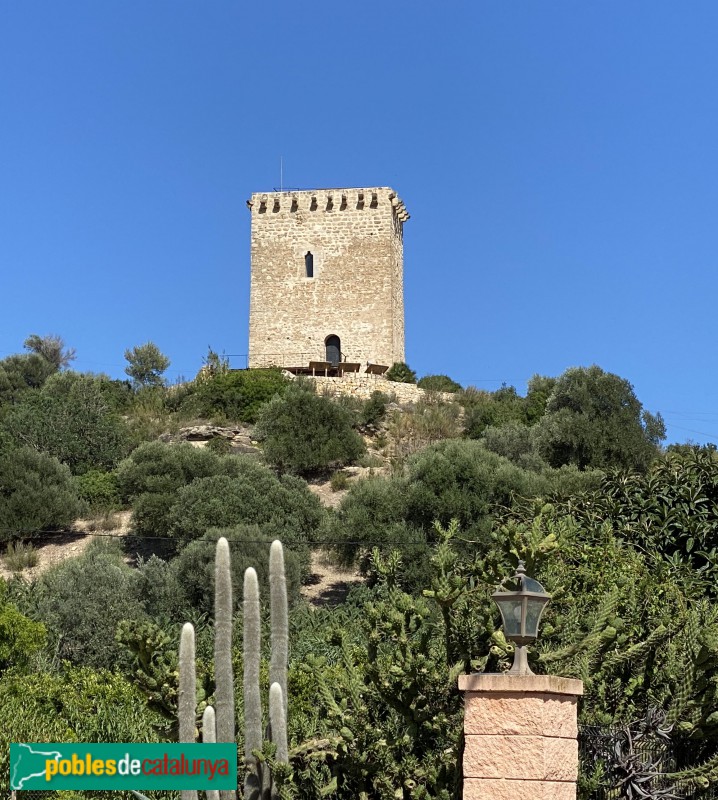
{"x": 239, "y": 438}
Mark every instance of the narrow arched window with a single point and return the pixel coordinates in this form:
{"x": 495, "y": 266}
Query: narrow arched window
{"x": 309, "y": 265}
{"x": 333, "y": 349}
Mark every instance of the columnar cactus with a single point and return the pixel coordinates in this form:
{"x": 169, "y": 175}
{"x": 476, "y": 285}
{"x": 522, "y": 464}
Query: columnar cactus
{"x": 258, "y": 782}
{"x": 187, "y": 698}
{"x": 209, "y": 735}
{"x": 224, "y": 676}
{"x": 280, "y": 621}
{"x": 278, "y": 729}
{"x": 252, "y": 699}
{"x": 218, "y": 725}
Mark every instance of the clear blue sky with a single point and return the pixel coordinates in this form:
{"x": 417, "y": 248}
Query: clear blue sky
{"x": 559, "y": 161}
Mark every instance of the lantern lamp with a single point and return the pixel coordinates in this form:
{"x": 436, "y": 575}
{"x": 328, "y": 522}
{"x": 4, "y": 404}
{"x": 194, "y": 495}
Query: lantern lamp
{"x": 521, "y": 613}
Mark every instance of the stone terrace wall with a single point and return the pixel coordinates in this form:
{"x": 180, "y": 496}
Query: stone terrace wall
{"x": 362, "y": 386}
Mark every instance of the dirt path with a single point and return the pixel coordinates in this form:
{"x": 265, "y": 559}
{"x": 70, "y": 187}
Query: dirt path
{"x": 55, "y": 548}
{"x": 329, "y": 584}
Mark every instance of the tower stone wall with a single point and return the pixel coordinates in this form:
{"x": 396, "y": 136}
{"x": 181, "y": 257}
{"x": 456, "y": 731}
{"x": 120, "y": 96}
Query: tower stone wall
{"x": 326, "y": 263}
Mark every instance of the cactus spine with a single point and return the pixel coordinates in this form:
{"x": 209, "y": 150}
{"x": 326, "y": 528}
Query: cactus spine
{"x": 209, "y": 735}
{"x": 278, "y": 729}
{"x": 252, "y": 699}
{"x": 224, "y": 676}
{"x": 280, "y": 621}
{"x": 187, "y": 698}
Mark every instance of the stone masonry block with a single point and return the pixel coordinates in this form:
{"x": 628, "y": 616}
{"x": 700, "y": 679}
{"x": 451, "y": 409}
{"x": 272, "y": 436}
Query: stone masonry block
{"x": 522, "y": 714}
{"x": 497, "y": 789}
{"x": 536, "y": 758}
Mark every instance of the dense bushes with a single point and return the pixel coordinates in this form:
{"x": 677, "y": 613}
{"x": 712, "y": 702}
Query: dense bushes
{"x": 252, "y": 495}
{"x": 70, "y": 419}
{"x": 249, "y": 547}
{"x": 373, "y": 409}
{"x": 671, "y": 513}
{"x": 37, "y": 493}
{"x": 98, "y": 489}
{"x": 81, "y": 601}
{"x": 20, "y": 638}
{"x": 455, "y": 479}
{"x": 401, "y": 373}
{"x": 307, "y": 434}
{"x": 438, "y": 383}
{"x": 180, "y": 491}
{"x": 19, "y": 373}
{"x": 72, "y": 705}
{"x": 158, "y": 468}
{"x": 236, "y": 396}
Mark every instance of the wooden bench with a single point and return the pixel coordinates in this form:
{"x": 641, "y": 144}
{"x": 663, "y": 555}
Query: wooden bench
{"x": 376, "y": 369}
{"x": 320, "y": 366}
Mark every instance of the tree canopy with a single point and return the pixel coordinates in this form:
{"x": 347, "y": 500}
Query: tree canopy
{"x": 593, "y": 419}
{"x": 146, "y": 363}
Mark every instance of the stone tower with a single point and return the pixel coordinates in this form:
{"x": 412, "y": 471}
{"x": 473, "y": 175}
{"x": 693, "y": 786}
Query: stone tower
{"x": 326, "y": 277}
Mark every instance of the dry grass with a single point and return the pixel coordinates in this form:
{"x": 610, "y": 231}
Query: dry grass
{"x": 20, "y": 556}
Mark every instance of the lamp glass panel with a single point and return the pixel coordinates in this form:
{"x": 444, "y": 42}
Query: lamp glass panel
{"x": 530, "y": 585}
{"x": 511, "y": 612}
{"x": 533, "y": 615}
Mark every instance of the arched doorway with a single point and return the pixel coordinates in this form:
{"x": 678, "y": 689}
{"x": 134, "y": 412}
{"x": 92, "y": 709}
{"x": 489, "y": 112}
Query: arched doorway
{"x": 334, "y": 349}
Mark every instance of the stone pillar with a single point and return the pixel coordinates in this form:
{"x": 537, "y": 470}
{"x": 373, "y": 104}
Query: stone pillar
{"x": 520, "y": 736}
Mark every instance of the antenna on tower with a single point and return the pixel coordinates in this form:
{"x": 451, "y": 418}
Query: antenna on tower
{"x": 281, "y": 173}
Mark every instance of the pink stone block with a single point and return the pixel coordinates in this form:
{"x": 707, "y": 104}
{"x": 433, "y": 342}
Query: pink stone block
{"x": 521, "y": 714}
{"x": 534, "y": 758}
{"x": 523, "y": 684}
{"x": 497, "y": 789}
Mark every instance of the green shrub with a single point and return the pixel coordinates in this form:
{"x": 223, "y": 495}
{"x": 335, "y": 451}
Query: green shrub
{"x": 219, "y": 445}
{"x": 99, "y": 490}
{"x": 178, "y": 398}
{"x": 307, "y": 434}
{"x": 70, "y": 419}
{"x": 454, "y": 479}
{"x": 194, "y": 566}
{"x": 19, "y": 373}
{"x": 401, "y": 373}
{"x": 439, "y": 383}
{"x": 370, "y": 513}
{"x": 37, "y": 493}
{"x": 182, "y": 491}
{"x": 372, "y": 460}
{"x": 118, "y": 394}
{"x": 150, "y": 514}
{"x": 515, "y": 442}
{"x": 81, "y": 705}
{"x": 150, "y": 478}
{"x": 250, "y": 493}
{"x": 20, "y": 638}
{"x": 430, "y": 420}
{"x": 484, "y": 409}
{"x": 82, "y": 600}
{"x": 159, "y": 468}
{"x": 238, "y": 395}
{"x": 160, "y": 592}
{"x": 339, "y": 481}
{"x": 374, "y": 409}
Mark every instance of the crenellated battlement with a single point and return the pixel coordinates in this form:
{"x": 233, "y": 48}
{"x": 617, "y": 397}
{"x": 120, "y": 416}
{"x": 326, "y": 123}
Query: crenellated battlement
{"x": 328, "y": 201}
